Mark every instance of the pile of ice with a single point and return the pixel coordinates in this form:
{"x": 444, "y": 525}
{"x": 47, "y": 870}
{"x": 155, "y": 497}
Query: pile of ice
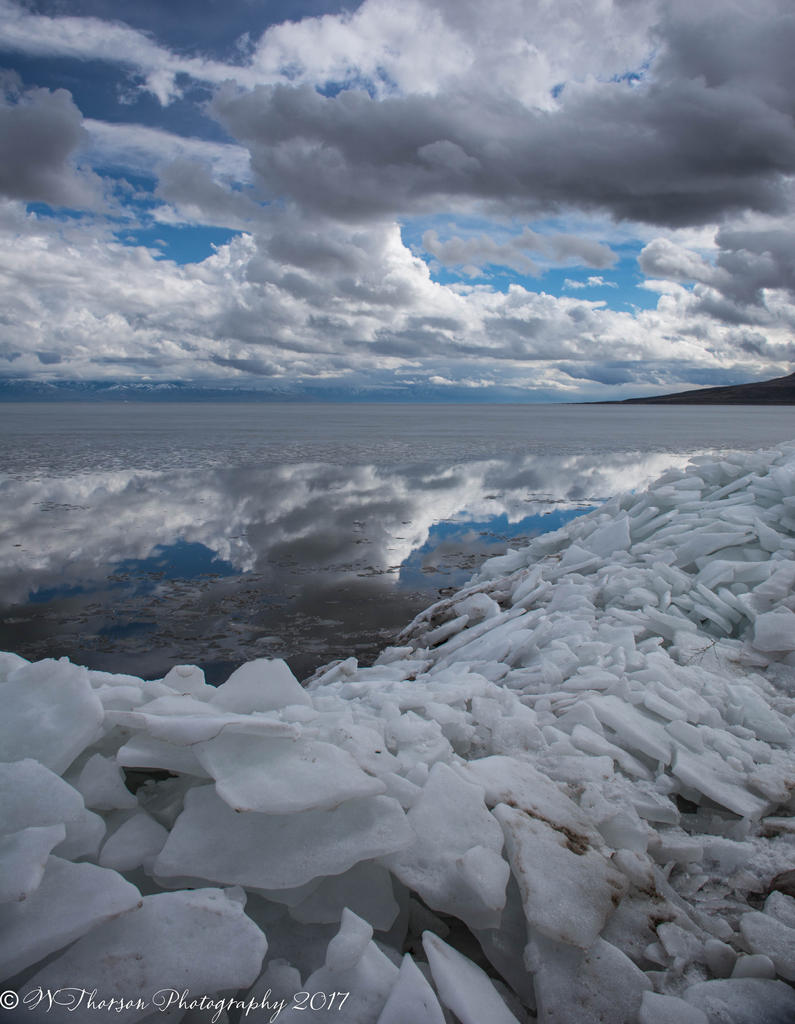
{"x": 567, "y": 797}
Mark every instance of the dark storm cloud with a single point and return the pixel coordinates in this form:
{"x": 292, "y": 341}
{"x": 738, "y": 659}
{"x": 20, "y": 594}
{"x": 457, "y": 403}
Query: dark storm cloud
{"x": 748, "y": 263}
{"x": 753, "y": 343}
{"x": 750, "y": 49}
{"x": 701, "y": 137}
{"x": 40, "y": 132}
{"x": 755, "y": 260}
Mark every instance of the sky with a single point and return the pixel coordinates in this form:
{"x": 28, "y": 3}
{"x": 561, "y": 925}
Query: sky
{"x": 520, "y": 200}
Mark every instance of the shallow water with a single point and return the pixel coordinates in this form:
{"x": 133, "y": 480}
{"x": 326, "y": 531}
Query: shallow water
{"x": 135, "y": 537}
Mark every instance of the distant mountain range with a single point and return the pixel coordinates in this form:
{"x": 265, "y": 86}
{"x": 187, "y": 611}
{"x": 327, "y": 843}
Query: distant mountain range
{"x": 779, "y": 391}
{"x": 22, "y": 390}
{"x": 113, "y": 391}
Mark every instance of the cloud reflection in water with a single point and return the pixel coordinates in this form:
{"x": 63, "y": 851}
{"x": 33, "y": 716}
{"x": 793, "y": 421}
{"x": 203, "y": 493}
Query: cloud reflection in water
{"x": 141, "y": 570}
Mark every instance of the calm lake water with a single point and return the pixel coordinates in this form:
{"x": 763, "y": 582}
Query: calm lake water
{"x": 134, "y": 537}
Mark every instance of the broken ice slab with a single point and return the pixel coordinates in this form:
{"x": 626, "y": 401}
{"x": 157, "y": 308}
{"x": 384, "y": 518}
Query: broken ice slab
{"x": 599, "y": 985}
{"x": 23, "y": 855}
{"x": 766, "y": 934}
{"x": 200, "y": 940}
{"x": 464, "y": 987}
{"x": 70, "y": 900}
{"x": 455, "y": 864}
{"x": 282, "y": 775}
{"x": 709, "y": 774}
{"x": 278, "y": 851}
{"x": 411, "y": 998}
{"x": 572, "y": 904}
{"x": 775, "y": 631}
{"x": 743, "y": 1000}
{"x": 31, "y": 796}
{"x": 50, "y": 713}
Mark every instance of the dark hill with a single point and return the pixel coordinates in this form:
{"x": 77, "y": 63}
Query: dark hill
{"x": 779, "y": 391}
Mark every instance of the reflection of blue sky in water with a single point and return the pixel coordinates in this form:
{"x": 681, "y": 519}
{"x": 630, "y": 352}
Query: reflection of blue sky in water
{"x": 140, "y": 570}
{"x": 136, "y": 571}
{"x": 181, "y": 560}
{"x": 259, "y": 550}
{"x": 454, "y": 549}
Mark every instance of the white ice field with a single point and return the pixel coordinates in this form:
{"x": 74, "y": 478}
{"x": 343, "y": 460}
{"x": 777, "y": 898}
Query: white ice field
{"x": 567, "y": 797}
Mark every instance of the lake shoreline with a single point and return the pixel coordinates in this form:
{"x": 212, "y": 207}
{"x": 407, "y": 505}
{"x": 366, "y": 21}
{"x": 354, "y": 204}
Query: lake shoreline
{"x": 571, "y": 776}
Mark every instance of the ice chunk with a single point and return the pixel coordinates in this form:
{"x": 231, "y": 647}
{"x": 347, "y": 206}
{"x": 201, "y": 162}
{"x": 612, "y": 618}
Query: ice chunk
{"x": 405, "y": 792}
{"x": 209, "y": 840}
{"x": 261, "y": 685}
{"x": 277, "y": 984}
{"x": 572, "y": 902}
{"x": 782, "y": 907}
{"x": 506, "y": 780}
{"x": 681, "y": 945}
{"x": 50, "y": 713}
{"x": 702, "y": 543}
{"x": 577, "y": 558}
{"x": 9, "y": 662}
{"x": 711, "y": 775}
{"x": 347, "y": 947}
{"x": 102, "y": 785}
{"x": 766, "y": 934}
{"x": 625, "y": 831}
{"x": 201, "y": 941}
{"x": 633, "y": 728}
{"x": 462, "y": 986}
{"x": 416, "y": 741}
{"x": 23, "y": 855}
{"x": 592, "y": 742}
{"x": 142, "y": 751}
{"x": 728, "y": 854}
{"x": 478, "y": 607}
{"x": 743, "y": 1001}
{"x": 596, "y": 986}
{"x": 719, "y": 957}
{"x": 356, "y": 965}
{"x": 659, "y": 1009}
{"x": 71, "y": 899}
{"x": 32, "y": 795}
{"x": 654, "y": 807}
{"x": 136, "y": 842}
{"x": 83, "y": 836}
{"x": 755, "y": 966}
{"x": 757, "y": 715}
{"x": 503, "y": 946}
{"x": 189, "y": 679}
{"x": 412, "y": 999}
{"x": 280, "y": 775}
{"x": 455, "y": 863}
{"x": 677, "y": 846}
{"x": 611, "y": 537}
{"x": 195, "y": 726}
{"x": 775, "y": 631}
{"x": 365, "y": 889}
